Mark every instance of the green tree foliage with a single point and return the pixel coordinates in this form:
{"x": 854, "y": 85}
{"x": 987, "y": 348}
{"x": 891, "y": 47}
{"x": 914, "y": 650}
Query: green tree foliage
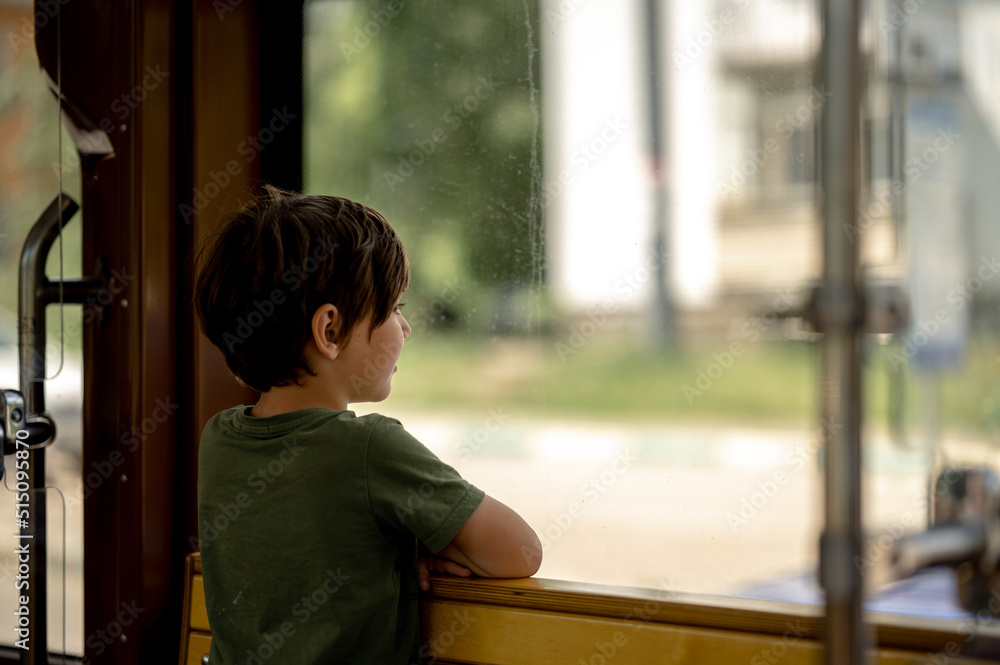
{"x": 428, "y": 110}
{"x": 32, "y": 162}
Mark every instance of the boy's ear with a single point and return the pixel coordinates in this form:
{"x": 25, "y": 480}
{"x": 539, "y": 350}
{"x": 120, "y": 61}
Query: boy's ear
{"x": 326, "y": 324}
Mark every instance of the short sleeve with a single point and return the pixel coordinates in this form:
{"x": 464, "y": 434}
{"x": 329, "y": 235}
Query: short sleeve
{"x": 411, "y": 491}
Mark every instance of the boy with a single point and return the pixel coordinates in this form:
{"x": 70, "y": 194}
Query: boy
{"x": 312, "y": 519}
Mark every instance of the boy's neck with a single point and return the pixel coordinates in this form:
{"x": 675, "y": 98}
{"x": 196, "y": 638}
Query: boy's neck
{"x": 285, "y": 399}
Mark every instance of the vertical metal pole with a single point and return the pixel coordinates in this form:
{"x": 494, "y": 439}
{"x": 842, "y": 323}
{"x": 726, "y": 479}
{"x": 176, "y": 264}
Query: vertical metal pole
{"x": 662, "y": 309}
{"x": 840, "y": 311}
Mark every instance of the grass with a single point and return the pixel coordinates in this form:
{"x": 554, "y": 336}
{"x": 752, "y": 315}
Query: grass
{"x": 767, "y": 384}
{"x": 607, "y": 381}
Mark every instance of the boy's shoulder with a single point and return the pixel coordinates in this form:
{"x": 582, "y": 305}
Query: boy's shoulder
{"x": 236, "y": 422}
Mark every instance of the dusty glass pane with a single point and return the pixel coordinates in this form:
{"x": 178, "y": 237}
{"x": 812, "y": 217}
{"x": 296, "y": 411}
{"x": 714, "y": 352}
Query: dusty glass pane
{"x": 29, "y": 180}
{"x": 927, "y": 222}
{"x": 613, "y": 227}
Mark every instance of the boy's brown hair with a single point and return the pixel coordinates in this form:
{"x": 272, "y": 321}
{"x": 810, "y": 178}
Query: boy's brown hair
{"x": 272, "y": 264}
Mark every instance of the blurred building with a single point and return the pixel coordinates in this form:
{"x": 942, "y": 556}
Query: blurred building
{"x": 741, "y": 108}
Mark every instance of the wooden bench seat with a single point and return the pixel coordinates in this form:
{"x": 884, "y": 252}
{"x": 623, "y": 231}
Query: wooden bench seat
{"x": 196, "y": 636}
{"x": 529, "y": 621}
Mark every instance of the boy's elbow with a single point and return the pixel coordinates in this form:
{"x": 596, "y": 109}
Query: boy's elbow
{"x": 499, "y": 543}
{"x": 523, "y": 563}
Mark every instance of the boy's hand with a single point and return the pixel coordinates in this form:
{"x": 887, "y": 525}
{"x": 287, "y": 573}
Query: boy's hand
{"x": 428, "y": 562}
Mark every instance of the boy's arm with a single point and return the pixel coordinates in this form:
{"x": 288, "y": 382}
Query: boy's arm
{"x": 495, "y": 542}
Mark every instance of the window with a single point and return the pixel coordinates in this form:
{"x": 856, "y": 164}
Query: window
{"x": 29, "y": 179}
{"x": 619, "y": 356}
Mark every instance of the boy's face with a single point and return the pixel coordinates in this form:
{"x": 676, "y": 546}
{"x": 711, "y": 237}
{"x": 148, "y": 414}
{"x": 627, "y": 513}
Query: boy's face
{"x": 371, "y": 361}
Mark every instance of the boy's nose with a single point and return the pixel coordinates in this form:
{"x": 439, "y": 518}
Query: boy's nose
{"x": 406, "y": 328}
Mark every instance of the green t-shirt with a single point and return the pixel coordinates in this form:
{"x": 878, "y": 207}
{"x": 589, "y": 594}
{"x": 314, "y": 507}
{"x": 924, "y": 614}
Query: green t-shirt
{"x": 309, "y": 525}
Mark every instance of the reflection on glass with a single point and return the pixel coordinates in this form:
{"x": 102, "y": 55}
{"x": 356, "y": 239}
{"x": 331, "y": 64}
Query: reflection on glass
{"x": 511, "y": 146}
{"x": 29, "y": 179}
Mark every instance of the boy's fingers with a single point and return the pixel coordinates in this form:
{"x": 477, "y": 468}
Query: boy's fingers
{"x": 439, "y": 565}
{"x": 451, "y": 567}
{"x": 423, "y": 574}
